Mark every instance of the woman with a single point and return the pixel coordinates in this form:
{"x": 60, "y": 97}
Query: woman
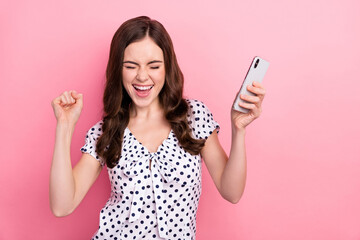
{"x": 151, "y": 140}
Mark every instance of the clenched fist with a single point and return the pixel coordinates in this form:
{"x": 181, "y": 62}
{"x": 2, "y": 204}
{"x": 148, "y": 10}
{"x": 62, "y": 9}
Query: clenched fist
{"x": 67, "y": 107}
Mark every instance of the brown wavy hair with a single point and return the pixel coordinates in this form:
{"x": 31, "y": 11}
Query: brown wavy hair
{"x": 117, "y": 101}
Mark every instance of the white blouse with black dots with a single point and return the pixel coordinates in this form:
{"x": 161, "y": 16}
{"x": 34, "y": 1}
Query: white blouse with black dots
{"x": 156, "y": 203}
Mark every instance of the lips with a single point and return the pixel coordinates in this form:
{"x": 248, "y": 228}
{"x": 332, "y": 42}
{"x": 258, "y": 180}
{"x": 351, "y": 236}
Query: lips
{"x": 142, "y": 90}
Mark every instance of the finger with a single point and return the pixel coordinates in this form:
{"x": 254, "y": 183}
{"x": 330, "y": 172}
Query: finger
{"x": 69, "y": 97}
{"x": 249, "y": 106}
{"x": 65, "y": 97}
{"x": 56, "y": 101}
{"x": 258, "y": 84}
{"x": 74, "y": 94}
{"x": 254, "y": 110}
{"x": 63, "y": 100}
{"x": 251, "y": 99}
{"x": 256, "y": 90}
{"x": 77, "y": 96}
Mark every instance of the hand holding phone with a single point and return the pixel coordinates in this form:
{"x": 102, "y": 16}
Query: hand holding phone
{"x": 256, "y": 72}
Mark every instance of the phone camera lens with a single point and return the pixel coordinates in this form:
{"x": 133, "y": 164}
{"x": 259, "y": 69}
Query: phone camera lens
{"x": 256, "y": 63}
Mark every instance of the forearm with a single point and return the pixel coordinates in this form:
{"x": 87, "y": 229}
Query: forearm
{"x": 233, "y": 178}
{"x": 62, "y": 185}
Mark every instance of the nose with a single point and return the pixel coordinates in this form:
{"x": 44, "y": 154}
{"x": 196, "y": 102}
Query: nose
{"x": 142, "y": 75}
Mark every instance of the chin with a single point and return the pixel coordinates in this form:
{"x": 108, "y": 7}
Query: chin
{"x": 146, "y": 102}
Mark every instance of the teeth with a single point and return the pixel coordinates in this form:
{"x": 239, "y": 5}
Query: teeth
{"x": 142, "y": 88}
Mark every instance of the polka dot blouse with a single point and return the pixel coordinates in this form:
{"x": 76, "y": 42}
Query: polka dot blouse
{"x": 158, "y": 202}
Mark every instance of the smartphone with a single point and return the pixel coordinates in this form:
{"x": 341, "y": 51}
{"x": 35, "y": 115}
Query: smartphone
{"x": 256, "y": 72}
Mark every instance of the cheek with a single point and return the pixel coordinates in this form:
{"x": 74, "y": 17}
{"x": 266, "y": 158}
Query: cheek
{"x": 159, "y": 76}
{"x": 127, "y": 76}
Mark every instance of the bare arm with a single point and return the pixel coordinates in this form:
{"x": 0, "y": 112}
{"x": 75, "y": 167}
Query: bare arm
{"x": 68, "y": 186}
{"x": 229, "y": 173}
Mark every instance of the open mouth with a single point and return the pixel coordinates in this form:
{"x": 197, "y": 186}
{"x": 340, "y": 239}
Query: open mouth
{"x": 142, "y": 88}
{"x": 142, "y": 91}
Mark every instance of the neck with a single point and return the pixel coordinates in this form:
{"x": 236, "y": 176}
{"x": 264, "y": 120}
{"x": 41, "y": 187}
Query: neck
{"x": 153, "y": 110}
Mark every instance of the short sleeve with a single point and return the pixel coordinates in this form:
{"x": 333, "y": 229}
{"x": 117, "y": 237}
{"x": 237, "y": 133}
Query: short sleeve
{"x": 90, "y": 141}
{"x": 201, "y": 119}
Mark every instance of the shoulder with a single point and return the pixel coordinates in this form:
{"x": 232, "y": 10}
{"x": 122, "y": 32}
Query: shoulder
{"x": 193, "y": 101}
{"x": 195, "y": 105}
{"x": 96, "y": 130}
{"x": 201, "y": 119}
{"x": 91, "y": 138}
{"x": 198, "y": 109}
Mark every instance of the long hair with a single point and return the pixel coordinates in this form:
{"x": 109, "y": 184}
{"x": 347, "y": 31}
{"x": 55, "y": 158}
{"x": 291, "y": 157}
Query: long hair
{"x": 117, "y": 101}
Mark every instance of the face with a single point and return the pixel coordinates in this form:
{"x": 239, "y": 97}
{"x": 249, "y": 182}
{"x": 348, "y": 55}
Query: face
{"x": 143, "y": 72}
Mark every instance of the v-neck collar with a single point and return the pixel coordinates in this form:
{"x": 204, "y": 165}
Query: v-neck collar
{"x": 146, "y": 149}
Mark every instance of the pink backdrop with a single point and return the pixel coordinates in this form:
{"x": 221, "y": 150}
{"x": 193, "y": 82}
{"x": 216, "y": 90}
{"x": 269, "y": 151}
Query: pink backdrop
{"x": 303, "y": 152}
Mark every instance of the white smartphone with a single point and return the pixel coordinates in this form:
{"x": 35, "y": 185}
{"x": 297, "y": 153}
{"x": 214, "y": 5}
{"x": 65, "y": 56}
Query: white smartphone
{"x": 256, "y": 73}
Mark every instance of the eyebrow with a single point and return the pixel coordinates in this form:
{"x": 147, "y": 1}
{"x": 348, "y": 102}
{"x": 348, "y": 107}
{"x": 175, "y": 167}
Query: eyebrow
{"x": 154, "y": 61}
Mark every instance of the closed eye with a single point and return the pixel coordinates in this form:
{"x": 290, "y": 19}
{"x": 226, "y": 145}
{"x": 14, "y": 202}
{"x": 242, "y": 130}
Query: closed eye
{"x": 154, "y": 67}
{"x": 129, "y": 67}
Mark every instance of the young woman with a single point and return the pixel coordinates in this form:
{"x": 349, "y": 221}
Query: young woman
{"x": 151, "y": 139}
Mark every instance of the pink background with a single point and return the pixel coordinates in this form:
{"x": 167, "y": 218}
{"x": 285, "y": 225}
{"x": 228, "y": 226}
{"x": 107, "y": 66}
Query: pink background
{"x": 303, "y": 152}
